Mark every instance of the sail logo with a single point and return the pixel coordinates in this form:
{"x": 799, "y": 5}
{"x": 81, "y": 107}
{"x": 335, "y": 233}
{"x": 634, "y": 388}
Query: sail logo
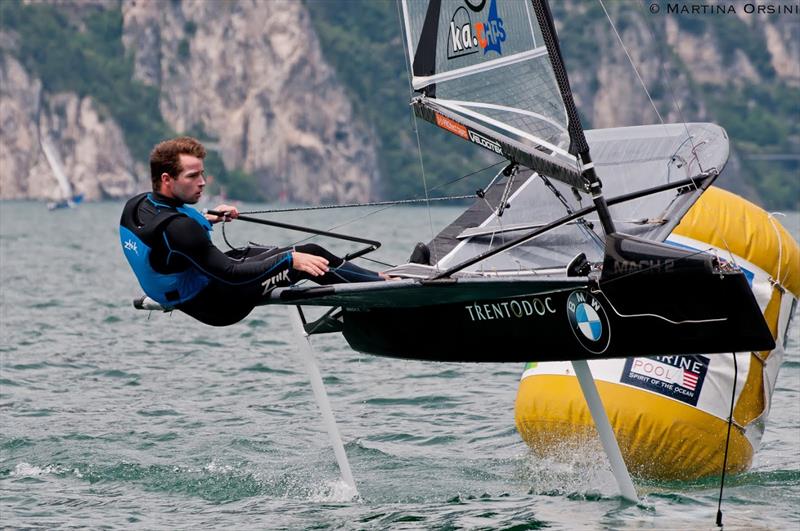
{"x": 589, "y": 321}
{"x": 467, "y": 38}
{"x": 130, "y": 245}
{"x": 451, "y": 125}
{"x": 482, "y": 141}
{"x": 678, "y": 377}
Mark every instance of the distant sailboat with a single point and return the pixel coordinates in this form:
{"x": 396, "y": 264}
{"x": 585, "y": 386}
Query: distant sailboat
{"x": 69, "y": 199}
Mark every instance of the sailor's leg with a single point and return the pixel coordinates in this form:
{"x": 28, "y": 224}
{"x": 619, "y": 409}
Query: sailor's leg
{"x": 339, "y": 271}
{"x": 222, "y": 304}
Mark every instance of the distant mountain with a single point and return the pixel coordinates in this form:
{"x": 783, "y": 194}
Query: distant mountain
{"x": 309, "y": 101}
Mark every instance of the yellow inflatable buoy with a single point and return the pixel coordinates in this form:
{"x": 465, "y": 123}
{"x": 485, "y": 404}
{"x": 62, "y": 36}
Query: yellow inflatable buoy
{"x": 670, "y": 413}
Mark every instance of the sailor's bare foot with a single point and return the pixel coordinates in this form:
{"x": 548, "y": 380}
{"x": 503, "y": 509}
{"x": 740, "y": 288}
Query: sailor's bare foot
{"x": 384, "y": 276}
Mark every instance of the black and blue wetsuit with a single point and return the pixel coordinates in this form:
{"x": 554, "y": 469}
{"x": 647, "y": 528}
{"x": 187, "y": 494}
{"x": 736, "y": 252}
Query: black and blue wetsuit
{"x": 168, "y": 245}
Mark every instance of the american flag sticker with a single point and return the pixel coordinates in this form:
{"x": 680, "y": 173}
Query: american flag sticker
{"x": 690, "y": 379}
{"x": 677, "y": 377}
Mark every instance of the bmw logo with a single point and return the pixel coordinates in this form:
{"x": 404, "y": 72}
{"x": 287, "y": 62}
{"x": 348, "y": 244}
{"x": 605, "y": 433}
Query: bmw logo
{"x": 589, "y": 321}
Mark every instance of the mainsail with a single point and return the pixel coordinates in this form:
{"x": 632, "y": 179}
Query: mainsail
{"x": 485, "y": 74}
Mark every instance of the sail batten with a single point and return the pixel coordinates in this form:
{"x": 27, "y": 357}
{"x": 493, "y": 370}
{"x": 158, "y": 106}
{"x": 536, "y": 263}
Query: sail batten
{"x": 420, "y": 82}
{"x": 461, "y": 108}
{"x": 539, "y": 158}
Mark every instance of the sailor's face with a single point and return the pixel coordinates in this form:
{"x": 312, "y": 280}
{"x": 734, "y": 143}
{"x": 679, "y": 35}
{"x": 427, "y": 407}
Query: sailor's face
{"x": 188, "y": 185}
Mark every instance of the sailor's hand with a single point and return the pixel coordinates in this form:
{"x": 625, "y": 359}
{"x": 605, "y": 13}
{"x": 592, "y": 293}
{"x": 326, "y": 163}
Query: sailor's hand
{"x": 230, "y": 212}
{"x": 309, "y": 263}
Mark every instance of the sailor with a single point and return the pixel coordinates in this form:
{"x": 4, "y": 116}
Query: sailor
{"x": 168, "y": 245}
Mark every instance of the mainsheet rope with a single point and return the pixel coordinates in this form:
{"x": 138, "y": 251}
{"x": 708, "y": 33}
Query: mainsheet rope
{"x": 630, "y": 60}
{"x": 771, "y": 218}
{"x": 727, "y": 442}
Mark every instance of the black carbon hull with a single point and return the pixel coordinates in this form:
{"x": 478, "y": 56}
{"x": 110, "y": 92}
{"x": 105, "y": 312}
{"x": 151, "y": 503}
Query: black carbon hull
{"x": 635, "y": 316}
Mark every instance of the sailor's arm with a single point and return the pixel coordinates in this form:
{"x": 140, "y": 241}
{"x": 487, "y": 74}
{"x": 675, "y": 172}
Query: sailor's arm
{"x": 187, "y": 239}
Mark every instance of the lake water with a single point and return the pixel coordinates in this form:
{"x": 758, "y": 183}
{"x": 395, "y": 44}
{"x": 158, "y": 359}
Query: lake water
{"x": 115, "y": 418}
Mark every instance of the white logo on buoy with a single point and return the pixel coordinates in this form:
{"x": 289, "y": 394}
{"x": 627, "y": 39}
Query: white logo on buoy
{"x": 589, "y": 321}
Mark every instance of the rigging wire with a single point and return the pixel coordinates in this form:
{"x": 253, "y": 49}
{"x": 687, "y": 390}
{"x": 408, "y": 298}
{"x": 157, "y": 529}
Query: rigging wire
{"x": 727, "y": 442}
{"x": 416, "y": 132}
{"x": 389, "y": 204}
{"x": 668, "y": 82}
{"x": 584, "y": 225}
{"x": 630, "y": 59}
{"x": 356, "y": 205}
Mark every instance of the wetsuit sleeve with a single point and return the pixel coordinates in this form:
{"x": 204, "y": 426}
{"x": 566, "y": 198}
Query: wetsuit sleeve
{"x": 186, "y": 240}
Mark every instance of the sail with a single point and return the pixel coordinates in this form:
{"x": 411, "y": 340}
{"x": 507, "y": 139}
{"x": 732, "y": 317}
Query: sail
{"x": 483, "y": 69}
{"x": 55, "y": 164}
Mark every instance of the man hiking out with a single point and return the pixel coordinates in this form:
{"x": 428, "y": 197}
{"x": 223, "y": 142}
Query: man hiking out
{"x": 168, "y": 245}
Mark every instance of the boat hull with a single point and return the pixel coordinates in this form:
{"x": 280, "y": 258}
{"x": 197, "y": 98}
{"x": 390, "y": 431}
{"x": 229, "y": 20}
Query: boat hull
{"x": 678, "y": 314}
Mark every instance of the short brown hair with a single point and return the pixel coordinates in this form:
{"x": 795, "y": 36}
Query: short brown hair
{"x": 165, "y": 157}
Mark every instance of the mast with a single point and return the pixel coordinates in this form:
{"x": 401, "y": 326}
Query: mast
{"x": 578, "y": 145}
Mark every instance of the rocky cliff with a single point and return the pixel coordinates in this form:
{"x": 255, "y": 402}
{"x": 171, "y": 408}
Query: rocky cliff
{"x": 250, "y": 75}
{"x": 677, "y": 56}
{"x": 90, "y": 148}
{"x": 692, "y": 62}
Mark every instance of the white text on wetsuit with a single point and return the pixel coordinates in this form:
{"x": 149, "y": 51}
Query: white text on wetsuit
{"x": 272, "y": 281}
{"x": 510, "y": 309}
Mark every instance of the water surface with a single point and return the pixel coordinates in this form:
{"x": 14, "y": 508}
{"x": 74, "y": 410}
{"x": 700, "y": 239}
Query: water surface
{"x": 112, "y": 417}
